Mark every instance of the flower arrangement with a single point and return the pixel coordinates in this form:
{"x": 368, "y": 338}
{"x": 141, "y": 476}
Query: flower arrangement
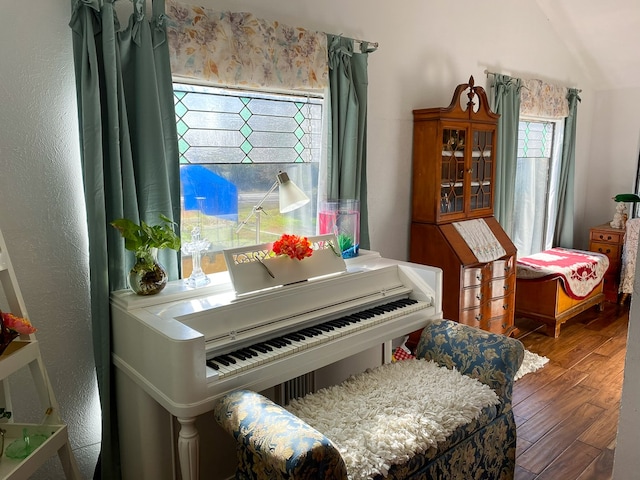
{"x": 11, "y": 326}
{"x": 17, "y": 325}
{"x": 293, "y": 245}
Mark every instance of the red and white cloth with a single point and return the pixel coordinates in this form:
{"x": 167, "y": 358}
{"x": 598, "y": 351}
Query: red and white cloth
{"x": 579, "y": 271}
{"x": 402, "y": 353}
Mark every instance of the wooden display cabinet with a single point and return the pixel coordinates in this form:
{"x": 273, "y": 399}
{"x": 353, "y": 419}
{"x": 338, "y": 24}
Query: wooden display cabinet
{"x": 453, "y": 181}
{"x": 453, "y": 159}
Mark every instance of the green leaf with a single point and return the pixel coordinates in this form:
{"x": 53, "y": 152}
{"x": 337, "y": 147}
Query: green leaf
{"x": 141, "y": 238}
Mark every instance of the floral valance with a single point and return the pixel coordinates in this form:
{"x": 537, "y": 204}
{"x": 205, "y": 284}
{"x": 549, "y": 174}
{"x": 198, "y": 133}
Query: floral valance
{"x": 541, "y": 99}
{"x": 238, "y": 49}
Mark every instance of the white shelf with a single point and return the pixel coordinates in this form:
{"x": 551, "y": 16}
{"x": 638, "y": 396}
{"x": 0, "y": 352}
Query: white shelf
{"x": 18, "y": 354}
{"x": 16, "y": 469}
{"x": 22, "y": 352}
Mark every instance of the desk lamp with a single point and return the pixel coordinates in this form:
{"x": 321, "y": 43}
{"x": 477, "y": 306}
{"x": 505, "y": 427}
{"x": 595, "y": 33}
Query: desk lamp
{"x": 290, "y": 196}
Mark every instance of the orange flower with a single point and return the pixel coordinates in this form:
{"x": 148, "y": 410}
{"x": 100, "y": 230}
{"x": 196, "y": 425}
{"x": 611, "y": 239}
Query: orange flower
{"x": 18, "y": 325}
{"x": 294, "y": 246}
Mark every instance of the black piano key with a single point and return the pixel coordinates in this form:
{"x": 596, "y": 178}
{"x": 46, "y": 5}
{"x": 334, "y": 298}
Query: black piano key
{"x": 213, "y": 364}
{"x": 239, "y": 355}
{"x": 277, "y": 342}
{"x": 261, "y": 348}
{"x": 221, "y": 360}
{"x": 337, "y": 322}
{"x": 228, "y": 358}
{"x": 295, "y": 336}
{"x": 251, "y": 352}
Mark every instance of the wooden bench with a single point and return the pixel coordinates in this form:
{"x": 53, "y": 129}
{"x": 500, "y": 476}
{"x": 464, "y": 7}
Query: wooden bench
{"x": 546, "y": 299}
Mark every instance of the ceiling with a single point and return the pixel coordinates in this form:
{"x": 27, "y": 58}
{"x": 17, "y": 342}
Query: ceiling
{"x": 603, "y": 35}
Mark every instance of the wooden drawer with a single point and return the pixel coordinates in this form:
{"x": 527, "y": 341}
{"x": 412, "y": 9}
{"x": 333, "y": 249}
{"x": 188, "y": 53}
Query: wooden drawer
{"x": 502, "y": 286}
{"x": 499, "y": 307}
{"x": 606, "y": 236}
{"x": 471, "y": 297}
{"x": 499, "y": 324}
{"x": 471, "y": 316}
{"x": 502, "y": 268}
{"x": 610, "y": 250}
{"x": 472, "y": 276}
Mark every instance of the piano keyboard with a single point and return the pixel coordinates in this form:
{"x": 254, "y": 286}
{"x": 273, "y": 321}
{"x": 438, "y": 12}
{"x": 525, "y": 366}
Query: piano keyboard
{"x": 274, "y": 348}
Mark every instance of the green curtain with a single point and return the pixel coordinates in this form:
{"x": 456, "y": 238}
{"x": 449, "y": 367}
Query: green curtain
{"x": 506, "y": 102}
{"x": 563, "y": 236}
{"x": 129, "y": 156}
{"x": 347, "y": 158}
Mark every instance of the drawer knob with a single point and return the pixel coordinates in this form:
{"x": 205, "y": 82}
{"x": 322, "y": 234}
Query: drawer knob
{"x": 505, "y": 307}
{"x": 479, "y": 317}
{"x": 479, "y": 296}
{"x": 479, "y": 276}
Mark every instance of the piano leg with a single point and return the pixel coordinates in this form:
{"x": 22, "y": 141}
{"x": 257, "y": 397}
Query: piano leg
{"x": 387, "y": 351}
{"x": 189, "y": 449}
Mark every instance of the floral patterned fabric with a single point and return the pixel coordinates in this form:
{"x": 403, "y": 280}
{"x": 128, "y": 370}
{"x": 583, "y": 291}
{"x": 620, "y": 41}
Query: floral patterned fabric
{"x": 238, "y": 49}
{"x": 541, "y": 99}
{"x": 629, "y": 251}
{"x": 274, "y": 444}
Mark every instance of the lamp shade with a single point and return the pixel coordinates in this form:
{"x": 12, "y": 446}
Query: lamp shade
{"x": 291, "y": 197}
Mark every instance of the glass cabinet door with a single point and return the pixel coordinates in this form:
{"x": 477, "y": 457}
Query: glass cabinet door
{"x": 481, "y": 169}
{"x": 452, "y": 180}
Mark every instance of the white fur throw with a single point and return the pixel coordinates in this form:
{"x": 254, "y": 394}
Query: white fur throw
{"x": 387, "y": 415}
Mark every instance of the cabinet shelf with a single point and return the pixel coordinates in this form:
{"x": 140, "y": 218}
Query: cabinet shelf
{"x": 474, "y": 154}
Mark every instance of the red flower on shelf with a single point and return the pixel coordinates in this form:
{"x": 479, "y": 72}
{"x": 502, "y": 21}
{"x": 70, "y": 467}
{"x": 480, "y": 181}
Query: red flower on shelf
{"x": 18, "y": 325}
{"x": 293, "y": 245}
{"x": 11, "y": 326}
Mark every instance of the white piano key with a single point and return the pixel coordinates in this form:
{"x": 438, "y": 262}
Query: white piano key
{"x": 297, "y": 346}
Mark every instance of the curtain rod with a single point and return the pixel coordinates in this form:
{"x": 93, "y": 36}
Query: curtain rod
{"x": 487, "y": 72}
{"x": 357, "y": 40}
{"x": 373, "y": 44}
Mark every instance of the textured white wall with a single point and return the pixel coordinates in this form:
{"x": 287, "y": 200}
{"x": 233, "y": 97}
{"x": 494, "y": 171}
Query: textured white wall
{"x": 42, "y": 214}
{"x": 426, "y": 49}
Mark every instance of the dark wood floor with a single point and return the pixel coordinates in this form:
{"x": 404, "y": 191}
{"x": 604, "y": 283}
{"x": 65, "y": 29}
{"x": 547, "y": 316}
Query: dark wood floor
{"x": 567, "y": 412}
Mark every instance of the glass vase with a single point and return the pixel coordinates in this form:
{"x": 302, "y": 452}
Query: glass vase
{"x": 342, "y": 218}
{"x": 148, "y": 276}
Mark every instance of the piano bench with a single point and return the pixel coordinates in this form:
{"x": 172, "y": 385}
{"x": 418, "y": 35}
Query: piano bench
{"x": 273, "y": 443}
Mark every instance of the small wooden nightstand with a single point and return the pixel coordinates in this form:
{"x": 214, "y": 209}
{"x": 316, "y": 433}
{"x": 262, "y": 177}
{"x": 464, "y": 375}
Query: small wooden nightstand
{"x": 607, "y": 240}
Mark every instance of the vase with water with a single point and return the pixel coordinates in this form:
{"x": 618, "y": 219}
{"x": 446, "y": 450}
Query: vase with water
{"x": 342, "y": 218}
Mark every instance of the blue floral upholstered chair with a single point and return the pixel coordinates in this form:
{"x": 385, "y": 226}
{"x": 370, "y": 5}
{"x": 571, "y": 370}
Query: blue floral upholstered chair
{"x": 272, "y": 443}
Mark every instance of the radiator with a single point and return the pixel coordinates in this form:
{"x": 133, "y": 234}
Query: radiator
{"x": 295, "y": 388}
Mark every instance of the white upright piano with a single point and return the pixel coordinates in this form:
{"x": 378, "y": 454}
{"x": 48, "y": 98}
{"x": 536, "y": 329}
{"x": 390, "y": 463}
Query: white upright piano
{"x": 177, "y": 352}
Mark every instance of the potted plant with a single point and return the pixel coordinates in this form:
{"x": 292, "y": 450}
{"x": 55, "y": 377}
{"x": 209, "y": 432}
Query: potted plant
{"x": 147, "y": 276}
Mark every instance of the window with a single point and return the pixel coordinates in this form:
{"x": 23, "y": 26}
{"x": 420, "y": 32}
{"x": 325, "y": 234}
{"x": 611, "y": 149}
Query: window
{"x": 232, "y": 145}
{"x": 539, "y": 147}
